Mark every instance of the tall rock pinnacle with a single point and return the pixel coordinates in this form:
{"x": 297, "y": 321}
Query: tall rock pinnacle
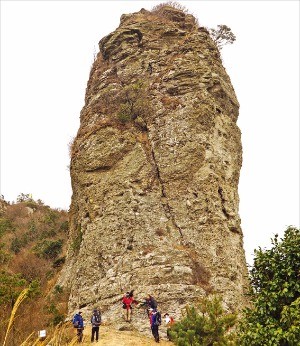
{"x": 155, "y": 170}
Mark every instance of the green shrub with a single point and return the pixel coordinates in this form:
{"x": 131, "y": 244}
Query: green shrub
{"x": 5, "y": 226}
{"x": 64, "y": 226}
{"x": 31, "y": 204}
{"x": 58, "y": 289}
{"x": 205, "y": 324}
{"x": 50, "y": 217}
{"x": 16, "y": 245}
{"x": 47, "y": 233}
{"x": 124, "y": 113}
{"x": 34, "y": 289}
{"x": 24, "y": 197}
{"x": 11, "y": 286}
{"x": 134, "y": 102}
{"x": 59, "y": 262}
{"x": 274, "y": 318}
{"x": 32, "y": 230}
{"x": 48, "y": 249}
{"x": 57, "y": 317}
{"x": 4, "y": 255}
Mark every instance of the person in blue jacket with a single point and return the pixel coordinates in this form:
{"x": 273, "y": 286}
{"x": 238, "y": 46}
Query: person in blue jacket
{"x": 78, "y": 324}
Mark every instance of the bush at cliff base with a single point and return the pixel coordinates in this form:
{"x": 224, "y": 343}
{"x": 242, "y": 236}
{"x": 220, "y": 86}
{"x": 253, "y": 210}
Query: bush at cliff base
{"x": 274, "y": 318}
{"x": 204, "y": 324}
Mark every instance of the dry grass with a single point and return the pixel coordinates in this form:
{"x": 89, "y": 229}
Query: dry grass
{"x": 19, "y": 242}
{"x": 161, "y": 11}
{"x": 22, "y": 296}
{"x": 173, "y": 4}
{"x": 61, "y": 335}
{"x": 170, "y": 102}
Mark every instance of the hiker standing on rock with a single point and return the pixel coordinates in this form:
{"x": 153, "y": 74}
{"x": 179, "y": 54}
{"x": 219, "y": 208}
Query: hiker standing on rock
{"x": 150, "y": 303}
{"x": 127, "y": 301}
{"x": 96, "y": 322}
{"x": 169, "y": 320}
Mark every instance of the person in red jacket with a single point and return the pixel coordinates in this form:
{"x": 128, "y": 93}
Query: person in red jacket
{"x": 127, "y": 301}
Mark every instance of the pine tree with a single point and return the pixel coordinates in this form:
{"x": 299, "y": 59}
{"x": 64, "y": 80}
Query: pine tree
{"x": 205, "y": 324}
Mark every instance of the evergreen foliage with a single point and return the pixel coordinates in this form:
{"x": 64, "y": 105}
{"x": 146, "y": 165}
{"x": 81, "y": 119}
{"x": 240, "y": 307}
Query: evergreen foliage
{"x": 275, "y": 277}
{"x": 11, "y": 285}
{"x": 222, "y": 36}
{"x": 49, "y": 249}
{"x": 24, "y": 197}
{"x": 206, "y": 324}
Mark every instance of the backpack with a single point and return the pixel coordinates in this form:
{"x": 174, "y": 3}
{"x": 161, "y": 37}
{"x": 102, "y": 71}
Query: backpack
{"x": 157, "y": 321}
{"x": 96, "y": 320}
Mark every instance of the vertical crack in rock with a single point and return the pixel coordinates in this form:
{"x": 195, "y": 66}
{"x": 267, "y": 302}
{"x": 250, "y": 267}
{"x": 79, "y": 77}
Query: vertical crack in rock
{"x": 220, "y": 192}
{"x": 166, "y": 206}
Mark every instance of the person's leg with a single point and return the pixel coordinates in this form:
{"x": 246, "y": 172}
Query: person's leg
{"x": 168, "y": 333}
{"x": 129, "y": 315}
{"x": 155, "y": 333}
{"x": 79, "y": 334}
{"x": 157, "y": 338}
{"x": 97, "y": 333}
{"x": 93, "y": 334}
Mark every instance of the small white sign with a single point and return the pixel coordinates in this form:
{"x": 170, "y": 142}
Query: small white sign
{"x": 42, "y": 333}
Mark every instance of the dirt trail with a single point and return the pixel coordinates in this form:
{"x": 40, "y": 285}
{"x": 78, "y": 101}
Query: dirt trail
{"x": 108, "y": 336}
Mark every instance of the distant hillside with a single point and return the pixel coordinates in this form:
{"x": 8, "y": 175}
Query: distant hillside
{"x": 32, "y": 251}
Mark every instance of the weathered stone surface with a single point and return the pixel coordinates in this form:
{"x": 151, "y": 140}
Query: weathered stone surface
{"x": 155, "y": 195}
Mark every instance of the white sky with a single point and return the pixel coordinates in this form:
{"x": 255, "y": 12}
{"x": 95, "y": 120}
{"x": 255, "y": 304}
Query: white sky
{"x": 47, "y": 50}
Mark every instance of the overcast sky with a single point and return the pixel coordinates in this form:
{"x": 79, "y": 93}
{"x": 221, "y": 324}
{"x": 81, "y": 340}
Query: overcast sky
{"x": 47, "y": 49}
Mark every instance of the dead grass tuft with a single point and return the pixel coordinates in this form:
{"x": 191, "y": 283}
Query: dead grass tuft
{"x": 170, "y": 102}
{"x": 169, "y": 4}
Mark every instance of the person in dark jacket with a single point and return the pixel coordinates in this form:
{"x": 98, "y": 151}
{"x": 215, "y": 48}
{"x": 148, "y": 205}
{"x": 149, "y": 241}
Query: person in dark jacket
{"x": 78, "y": 324}
{"x": 96, "y": 322}
{"x": 155, "y": 322}
{"x": 150, "y": 303}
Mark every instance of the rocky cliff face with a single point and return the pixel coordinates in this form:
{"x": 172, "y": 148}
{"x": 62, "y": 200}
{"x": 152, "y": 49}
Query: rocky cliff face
{"x": 155, "y": 170}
